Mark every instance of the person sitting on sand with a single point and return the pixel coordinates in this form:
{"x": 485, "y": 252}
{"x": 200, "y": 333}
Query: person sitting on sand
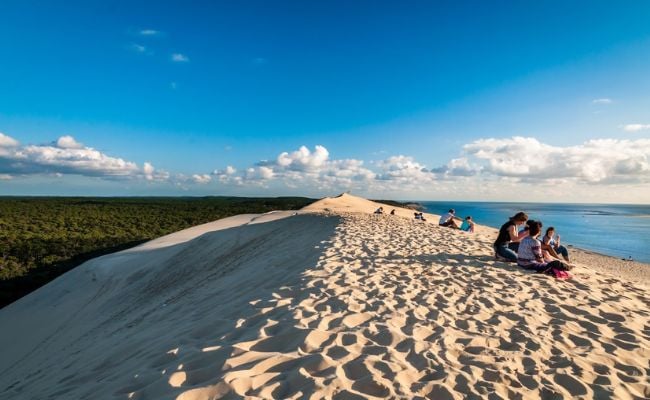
{"x": 380, "y": 210}
{"x": 530, "y": 253}
{"x": 554, "y": 243}
{"x": 392, "y": 212}
{"x": 467, "y": 225}
{"x": 507, "y": 234}
{"x": 448, "y": 219}
{"x": 419, "y": 216}
{"x": 521, "y": 234}
{"x": 547, "y": 250}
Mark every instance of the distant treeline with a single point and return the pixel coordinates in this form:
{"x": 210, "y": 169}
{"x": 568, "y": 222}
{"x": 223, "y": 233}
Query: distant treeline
{"x": 43, "y": 237}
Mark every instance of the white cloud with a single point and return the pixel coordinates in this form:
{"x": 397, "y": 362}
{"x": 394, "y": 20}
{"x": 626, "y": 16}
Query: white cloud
{"x": 304, "y": 167}
{"x": 259, "y": 173}
{"x": 7, "y": 141}
{"x": 266, "y": 172}
{"x": 602, "y": 101}
{"x": 404, "y": 168}
{"x": 148, "y": 171}
{"x": 488, "y": 168}
{"x": 595, "y": 161}
{"x": 636, "y": 127}
{"x": 201, "y": 179}
{"x": 178, "y": 57}
{"x": 149, "y": 32}
{"x": 303, "y": 159}
{"x": 67, "y": 156}
{"x": 458, "y": 167}
{"x": 228, "y": 175}
{"x": 68, "y": 142}
{"x": 85, "y": 161}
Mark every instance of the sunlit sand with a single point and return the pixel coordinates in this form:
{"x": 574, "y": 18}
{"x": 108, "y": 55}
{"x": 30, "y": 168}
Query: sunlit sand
{"x": 328, "y": 302}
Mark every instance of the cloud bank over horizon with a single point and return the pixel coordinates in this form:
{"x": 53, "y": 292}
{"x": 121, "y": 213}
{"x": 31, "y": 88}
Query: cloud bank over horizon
{"x": 66, "y": 156}
{"x": 486, "y": 166}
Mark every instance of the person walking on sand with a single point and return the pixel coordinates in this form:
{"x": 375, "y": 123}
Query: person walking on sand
{"x": 448, "y": 219}
{"x": 508, "y": 233}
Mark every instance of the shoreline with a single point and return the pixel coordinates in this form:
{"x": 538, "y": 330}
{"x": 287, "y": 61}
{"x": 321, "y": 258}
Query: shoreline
{"x": 331, "y": 301}
{"x": 583, "y": 226}
{"x": 634, "y": 271}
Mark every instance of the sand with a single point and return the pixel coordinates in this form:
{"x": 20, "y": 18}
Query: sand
{"x": 330, "y": 302}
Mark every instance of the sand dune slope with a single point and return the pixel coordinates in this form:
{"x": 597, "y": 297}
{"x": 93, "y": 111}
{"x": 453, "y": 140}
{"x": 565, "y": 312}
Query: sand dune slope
{"x": 119, "y": 326}
{"x": 341, "y": 305}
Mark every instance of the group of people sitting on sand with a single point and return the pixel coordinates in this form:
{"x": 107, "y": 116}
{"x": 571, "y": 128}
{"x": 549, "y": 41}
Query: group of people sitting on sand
{"x": 518, "y": 241}
{"x": 448, "y": 220}
{"x": 524, "y": 247}
{"x": 380, "y": 210}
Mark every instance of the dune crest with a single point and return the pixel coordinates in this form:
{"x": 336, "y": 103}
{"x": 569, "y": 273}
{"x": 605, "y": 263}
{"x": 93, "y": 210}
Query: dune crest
{"x": 333, "y": 302}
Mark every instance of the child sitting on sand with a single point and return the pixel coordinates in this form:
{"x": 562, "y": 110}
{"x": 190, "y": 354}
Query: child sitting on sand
{"x": 467, "y": 225}
{"x": 554, "y": 243}
{"x": 530, "y": 253}
{"x": 380, "y": 210}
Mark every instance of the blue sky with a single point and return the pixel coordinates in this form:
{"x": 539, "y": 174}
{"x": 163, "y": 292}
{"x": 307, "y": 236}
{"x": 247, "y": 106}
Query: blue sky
{"x": 539, "y": 101}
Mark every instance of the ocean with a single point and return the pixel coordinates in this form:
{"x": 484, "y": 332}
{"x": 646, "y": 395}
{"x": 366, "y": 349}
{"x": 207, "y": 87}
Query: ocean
{"x": 621, "y": 231}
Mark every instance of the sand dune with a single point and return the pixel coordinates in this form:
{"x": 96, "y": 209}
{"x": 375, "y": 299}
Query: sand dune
{"x": 331, "y": 303}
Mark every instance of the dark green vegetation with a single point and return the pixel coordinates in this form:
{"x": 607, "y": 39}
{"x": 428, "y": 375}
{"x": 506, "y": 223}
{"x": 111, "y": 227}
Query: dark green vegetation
{"x": 41, "y": 238}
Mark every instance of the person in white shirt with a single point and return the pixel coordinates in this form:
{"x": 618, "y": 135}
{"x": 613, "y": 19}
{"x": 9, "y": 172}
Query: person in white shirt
{"x": 448, "y": 219}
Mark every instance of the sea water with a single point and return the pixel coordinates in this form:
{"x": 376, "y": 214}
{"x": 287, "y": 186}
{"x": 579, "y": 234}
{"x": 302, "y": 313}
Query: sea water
{"x": 617, "y": 230}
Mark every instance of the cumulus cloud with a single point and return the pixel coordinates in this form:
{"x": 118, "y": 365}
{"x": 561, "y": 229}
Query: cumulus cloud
{"x": 259, "y": 173}
{"x": 7, "y": 141}
{"x": 181, "y": 58}
{"x": 303, "y": 159}
{"x": 512, "y": 161}
{"x": 595, "y": 161}
{"x": 636, "y": 127}
{"x": 458, "y": 167}
{"x": 602, "y": 101}
{"x": 201, "y": 179}
{"x": 227, "y": 175}
{"x": 151, "y": 174}
{"x": 404, "y": 168}
{"x": 68, "y": 142}
{"x": 300, "y": 167}
{"x": 67, "y": 156}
